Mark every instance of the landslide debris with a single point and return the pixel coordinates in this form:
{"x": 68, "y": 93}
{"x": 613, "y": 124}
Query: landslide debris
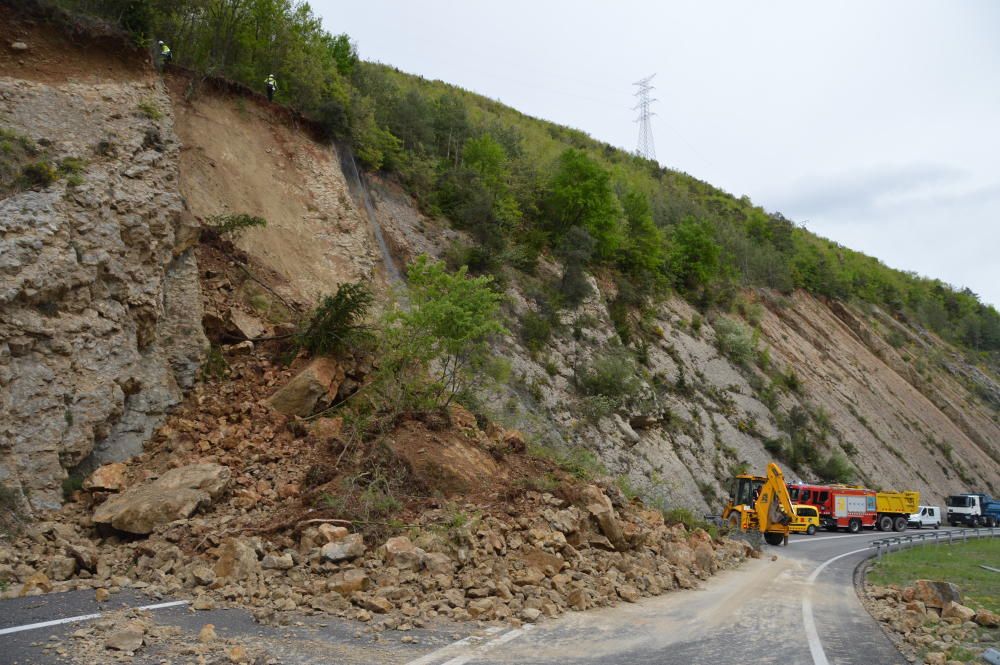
{"x": 929, "y": 623}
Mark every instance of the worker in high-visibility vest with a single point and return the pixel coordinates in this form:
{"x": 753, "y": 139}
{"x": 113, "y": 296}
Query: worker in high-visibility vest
{"x": 271, "y": 86}
{"x": 165, "y": 54}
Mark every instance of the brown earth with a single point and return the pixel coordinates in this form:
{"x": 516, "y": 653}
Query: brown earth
{"x": 80, "y": 53}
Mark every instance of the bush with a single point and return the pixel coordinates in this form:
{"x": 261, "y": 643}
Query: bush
{"x": 39, "y": 174}
{"x": 335, "y": 325}
{"x": 235, "y": 224}
{"x": 836, "y": 469}
{"x": 612, "y": 375}
{"x": 536, "y": 329}
{"x": 735, "y": 340}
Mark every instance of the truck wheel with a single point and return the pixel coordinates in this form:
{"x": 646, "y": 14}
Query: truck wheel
{"x": 854, "y": 525}
{"x": 899, "y": 524}
{"x": 811, "y": 531}
{"x": 774, "y": 538}
{"x": 937, "y": 525}
{"x": 885, "y": 523}
{"x": 975, "y": 522}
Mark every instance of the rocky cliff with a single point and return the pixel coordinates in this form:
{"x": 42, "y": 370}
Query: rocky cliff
{"x": 100, "y": 311}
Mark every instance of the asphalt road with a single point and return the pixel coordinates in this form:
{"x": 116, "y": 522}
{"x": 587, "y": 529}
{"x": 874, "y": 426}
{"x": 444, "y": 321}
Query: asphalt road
{"x": 799, "y": 608}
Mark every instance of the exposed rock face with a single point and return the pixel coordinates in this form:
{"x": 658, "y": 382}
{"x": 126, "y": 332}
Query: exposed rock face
{"x": 99, "y": 299}
{"x": 173, "y": 496}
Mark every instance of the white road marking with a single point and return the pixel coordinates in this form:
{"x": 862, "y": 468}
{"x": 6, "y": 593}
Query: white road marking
{"x": 812, "y": 635}
{"x": 454, "y": 646}
{"x": 83, "y": 617}
{"x": 503, "y": 639}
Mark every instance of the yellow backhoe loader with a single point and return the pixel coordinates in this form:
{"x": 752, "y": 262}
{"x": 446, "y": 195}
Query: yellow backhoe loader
{"x": 758, "y": 503}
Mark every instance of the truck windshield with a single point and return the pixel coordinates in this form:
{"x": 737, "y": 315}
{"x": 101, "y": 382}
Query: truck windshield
{"x": 959, "y": 501}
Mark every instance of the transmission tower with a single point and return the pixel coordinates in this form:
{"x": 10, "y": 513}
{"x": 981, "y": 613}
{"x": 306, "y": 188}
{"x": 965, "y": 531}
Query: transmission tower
{"x": 645, "y": 147}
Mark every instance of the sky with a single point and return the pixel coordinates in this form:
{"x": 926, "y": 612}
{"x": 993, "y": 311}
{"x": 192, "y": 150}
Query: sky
{"x": 874, "y": 124}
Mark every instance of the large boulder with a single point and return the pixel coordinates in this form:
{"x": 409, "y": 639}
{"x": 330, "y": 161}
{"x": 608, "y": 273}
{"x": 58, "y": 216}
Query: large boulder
{"x": 599, "y": 506}
{"x": 174, "y": 495}
{"x": 936, "y": 594}
{"x": 312, "y": 388}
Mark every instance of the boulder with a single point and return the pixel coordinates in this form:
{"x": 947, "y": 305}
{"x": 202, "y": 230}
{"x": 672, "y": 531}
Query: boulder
{"x": 403, "y": 554}
{"x": 18, "y": 46}
{"x": 129, "y": 638}
{"x": 277, "y": 562}
{"x": 107, "y": 478}
{"x": 329, "y": 533}
{"x": 481, "y": 608}
{"x": 85, "y": 555}
{"x": 175, "y": 495}
{"x": 704, "y": 557}
{"x": 599, "y": 506}
{"x": 350, "y": 582}
{"x": 987, "y": 619}
{"x": 246, "y": 325}
{"x": 35, "y": 584}
{"x": 61, "y": 568}
{"x": 236, "y": 560}
{"x": 935, "y": 594}
{"x": 958, "y": 611}
{"x": 312, "y": 388}
{"x": 350, "y": 547}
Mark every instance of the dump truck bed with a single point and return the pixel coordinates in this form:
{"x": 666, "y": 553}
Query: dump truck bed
{"x": 897, "y": 502}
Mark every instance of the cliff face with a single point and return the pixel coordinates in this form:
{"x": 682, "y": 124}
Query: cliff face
{"x": 100, "y": 313}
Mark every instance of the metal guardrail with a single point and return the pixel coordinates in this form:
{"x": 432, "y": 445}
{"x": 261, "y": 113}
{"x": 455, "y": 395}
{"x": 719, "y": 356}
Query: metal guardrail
{"x": 948, "y": 536}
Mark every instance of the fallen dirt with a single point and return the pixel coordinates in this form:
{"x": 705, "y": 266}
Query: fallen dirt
{"x": 241, "y": 156}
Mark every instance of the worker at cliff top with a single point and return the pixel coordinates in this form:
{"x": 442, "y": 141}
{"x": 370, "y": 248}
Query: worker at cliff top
{"x": 165, "y": 54}
{"x": 271, "y": 86}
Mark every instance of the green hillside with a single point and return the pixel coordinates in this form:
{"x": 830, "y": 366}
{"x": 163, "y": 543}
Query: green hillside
{"x": 523, "y": 187}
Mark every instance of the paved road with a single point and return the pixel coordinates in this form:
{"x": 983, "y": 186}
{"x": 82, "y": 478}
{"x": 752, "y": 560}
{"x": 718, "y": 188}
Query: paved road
{"x": 799, "y": 608}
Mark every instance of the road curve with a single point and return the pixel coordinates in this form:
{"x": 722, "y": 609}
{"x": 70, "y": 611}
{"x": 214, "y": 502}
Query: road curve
{"x": 794, "y": 605}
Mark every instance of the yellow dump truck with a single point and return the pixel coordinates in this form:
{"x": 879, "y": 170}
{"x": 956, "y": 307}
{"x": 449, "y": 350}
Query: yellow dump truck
{"x": 894, "y": 509}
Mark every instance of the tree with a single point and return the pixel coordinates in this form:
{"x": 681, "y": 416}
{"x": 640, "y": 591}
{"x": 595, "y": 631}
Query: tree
{"x": 445, "y": 329}
{"x": 580, "y": 194}
{"x": 692, "y": 255}
{"x": 643, "y": 251}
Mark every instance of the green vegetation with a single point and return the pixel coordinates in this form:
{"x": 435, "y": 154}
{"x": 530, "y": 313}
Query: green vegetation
{"x": 957, "y": 563}
{"x": 580, "y": 462}
{"x": 735, "y": 340}
{"x": 149, "y": 109}
{"x": 336, "y": 325}
{"x": 236, "y": 224}
{"x": 522, "y": 186}
{"x": 431, "y": 351}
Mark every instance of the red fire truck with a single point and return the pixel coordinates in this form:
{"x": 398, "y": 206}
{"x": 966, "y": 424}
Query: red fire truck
{"x": 851, "y": 508}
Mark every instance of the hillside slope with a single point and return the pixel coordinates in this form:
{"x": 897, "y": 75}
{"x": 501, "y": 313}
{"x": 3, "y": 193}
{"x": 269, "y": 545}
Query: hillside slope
{"x": 809, "y": 381}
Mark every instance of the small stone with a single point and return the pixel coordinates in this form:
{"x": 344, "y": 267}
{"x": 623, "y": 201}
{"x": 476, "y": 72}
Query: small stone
{"x": 18, "y": 46}
{"x": 207, "y": 634}
{"x": 203, "y": 575}
{"x": 530, "y": 614}
{"x": 203, "y": 603}
{"x": 351, "y": 547}
{"x": 128, "y": 639}
{"x": 238, "y": 654}
{"x": 277, "y": 562}
{"x": 101, "y": 595}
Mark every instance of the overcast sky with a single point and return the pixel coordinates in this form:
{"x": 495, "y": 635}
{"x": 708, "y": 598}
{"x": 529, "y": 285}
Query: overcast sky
{"x": 875, "y": 124}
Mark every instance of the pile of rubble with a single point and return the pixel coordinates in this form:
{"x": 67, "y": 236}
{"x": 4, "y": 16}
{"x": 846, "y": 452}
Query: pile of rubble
{"x": 929, "y": 623}
{"x": 540, "y": 561}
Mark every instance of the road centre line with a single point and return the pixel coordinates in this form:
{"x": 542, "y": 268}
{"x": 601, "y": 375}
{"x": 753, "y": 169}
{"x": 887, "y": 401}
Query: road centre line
{"x": 503, "y": 639}
{"x": 84, "y": 617}
{"x": 812, "y": 635}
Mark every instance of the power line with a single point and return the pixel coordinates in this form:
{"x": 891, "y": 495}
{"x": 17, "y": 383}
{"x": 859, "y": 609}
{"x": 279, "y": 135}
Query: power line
{"x": 645, "y": 147}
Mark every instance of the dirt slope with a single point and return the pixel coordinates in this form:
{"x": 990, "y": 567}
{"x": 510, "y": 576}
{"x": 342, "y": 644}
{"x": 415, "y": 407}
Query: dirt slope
{"x": 238, "y": 157}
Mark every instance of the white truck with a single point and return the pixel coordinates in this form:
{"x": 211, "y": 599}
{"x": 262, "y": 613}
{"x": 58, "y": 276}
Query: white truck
{"x": 927, "y": 516}
{"x": 973, "y": 510}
